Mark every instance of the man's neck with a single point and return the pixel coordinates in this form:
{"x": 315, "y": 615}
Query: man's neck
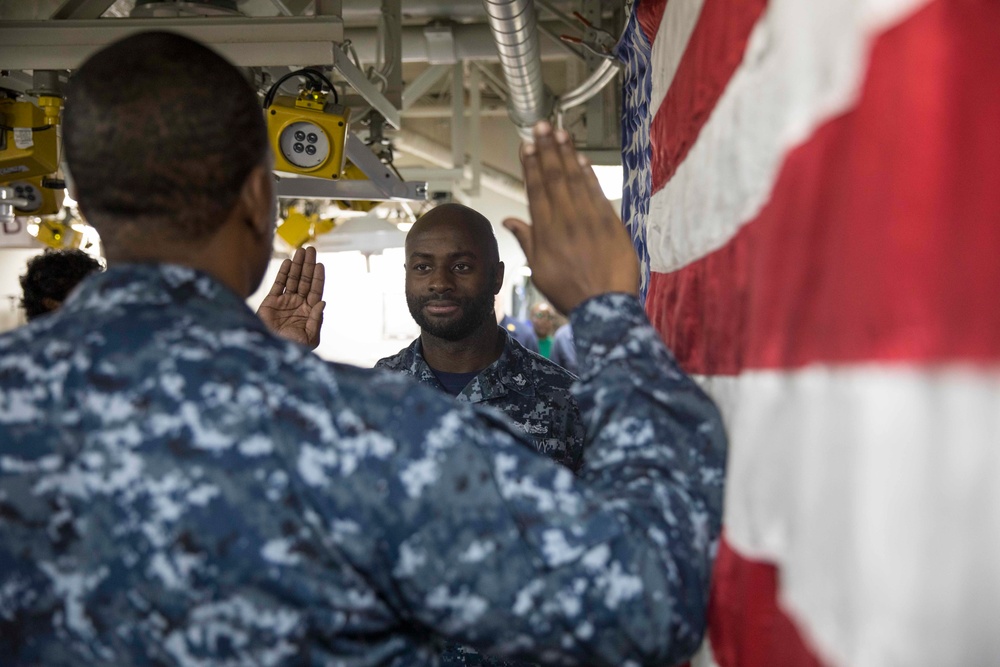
{"x": 470, "y": 354}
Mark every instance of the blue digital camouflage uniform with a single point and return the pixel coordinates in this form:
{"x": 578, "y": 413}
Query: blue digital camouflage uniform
{"x": 535, "y": 394}
{"x": 528, "y": 388}
{"x": 178, "y": 486}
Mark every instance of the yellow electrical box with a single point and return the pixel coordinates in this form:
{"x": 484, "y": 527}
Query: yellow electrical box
{"x": 307, "y": 134}
{"x": 41, "y": 200}
{"x": 28, "y": 142}
{"x": 322, "y": 226}
{"x": 57, "y": 234}
{"x": 296, "y": 228}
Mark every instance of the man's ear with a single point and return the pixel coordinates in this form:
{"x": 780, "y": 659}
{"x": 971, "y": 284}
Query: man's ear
{"x": 257, "y": 199}
{"x": 498, "y": 279}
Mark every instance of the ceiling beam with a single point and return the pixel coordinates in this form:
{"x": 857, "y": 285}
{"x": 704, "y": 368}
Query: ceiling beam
{"x": 248, "y": 42}
{"x": 81, "y": 9}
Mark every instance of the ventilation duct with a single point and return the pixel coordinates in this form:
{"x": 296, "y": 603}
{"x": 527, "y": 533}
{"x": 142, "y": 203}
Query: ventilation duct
{"x": 515, "y": 31}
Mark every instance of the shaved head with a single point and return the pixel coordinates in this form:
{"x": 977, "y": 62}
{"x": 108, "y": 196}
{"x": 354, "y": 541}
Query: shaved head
{"x": 456, "y": 216}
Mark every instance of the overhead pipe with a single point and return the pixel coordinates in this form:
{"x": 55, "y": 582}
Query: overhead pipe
{"x": 515, "y": 31}
{"x": 600, "y": 77}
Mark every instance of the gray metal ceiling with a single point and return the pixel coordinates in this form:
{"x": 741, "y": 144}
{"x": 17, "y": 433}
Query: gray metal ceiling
{"x": 453, "y": 90}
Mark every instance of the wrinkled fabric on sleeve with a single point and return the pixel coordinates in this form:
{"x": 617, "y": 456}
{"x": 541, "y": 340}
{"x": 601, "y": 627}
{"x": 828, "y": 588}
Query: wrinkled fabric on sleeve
{"x": 180, "y": 487}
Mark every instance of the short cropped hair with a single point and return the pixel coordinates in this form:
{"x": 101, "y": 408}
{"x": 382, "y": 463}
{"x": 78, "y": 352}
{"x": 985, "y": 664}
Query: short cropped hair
{"x": 53, "y": 275}
{"x": 160, "y": 132}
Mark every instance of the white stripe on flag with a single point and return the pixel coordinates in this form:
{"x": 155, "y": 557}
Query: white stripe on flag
{"x": 875, "y": 489}
{"x": 804, "y": 64}
{"x": 676, "y": 25}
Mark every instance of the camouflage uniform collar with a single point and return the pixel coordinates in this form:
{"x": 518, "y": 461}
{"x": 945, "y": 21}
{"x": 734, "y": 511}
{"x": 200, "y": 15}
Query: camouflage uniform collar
{"x": 413, "y": 360}
{"x": 511, "y": 372}
{"x": 152, "y": 284}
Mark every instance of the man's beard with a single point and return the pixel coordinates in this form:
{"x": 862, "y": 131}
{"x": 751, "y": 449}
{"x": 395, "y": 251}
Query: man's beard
{"x": 474, "y": 310}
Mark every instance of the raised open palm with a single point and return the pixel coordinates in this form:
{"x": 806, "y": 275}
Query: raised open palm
{"x": 293, "y": 308}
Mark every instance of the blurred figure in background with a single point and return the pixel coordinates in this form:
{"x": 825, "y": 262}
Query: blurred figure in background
{"x": 518, "y": 329}
{"x": 50, "y": 278}
{"x": 564, "y": 349}
{"x": 544, "y": 320}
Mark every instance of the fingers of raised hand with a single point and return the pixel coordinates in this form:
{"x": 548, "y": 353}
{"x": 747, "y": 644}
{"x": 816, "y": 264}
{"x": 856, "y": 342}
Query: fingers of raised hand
{"x": 317, "y": 283}
{"x": 314, "y": 324}
{"x": 576, "y": 183}
{"x": 522, "y": 232}
{"x": 563, "y": 193}
{"x": 534, "y": 185}
{"x": 295, "y": 272}
{"x": 278, "y": 286}
{"x": 308, "y": 269}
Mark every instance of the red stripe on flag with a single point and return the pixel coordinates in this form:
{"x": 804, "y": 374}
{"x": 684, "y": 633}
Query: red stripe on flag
{"x": 881, "y": 236}
{"x": 649, "y": 14}
{"x": 745, "y": 625}
{"x": 713, "y": 53}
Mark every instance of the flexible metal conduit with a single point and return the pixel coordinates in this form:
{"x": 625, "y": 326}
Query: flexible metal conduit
{"x": 600, "y": 77}
{"x": 514, "y": 29}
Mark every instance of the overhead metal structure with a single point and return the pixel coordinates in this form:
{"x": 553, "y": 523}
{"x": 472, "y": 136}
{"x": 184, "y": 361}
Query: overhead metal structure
{"x": 459, "y": 42}
{"x": 248, "y": 42}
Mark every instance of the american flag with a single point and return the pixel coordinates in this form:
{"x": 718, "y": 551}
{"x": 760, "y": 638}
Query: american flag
{"x": 813, "y": 187}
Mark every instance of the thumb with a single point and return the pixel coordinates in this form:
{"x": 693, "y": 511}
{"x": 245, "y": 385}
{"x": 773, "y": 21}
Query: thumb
{"x": 522, "y": 232}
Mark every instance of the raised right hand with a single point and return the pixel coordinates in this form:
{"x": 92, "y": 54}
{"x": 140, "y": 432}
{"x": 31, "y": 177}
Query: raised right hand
{"x": 577, "y": 246}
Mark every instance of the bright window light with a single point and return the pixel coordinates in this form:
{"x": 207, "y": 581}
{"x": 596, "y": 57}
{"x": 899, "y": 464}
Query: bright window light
{"x": 610, "y": 178}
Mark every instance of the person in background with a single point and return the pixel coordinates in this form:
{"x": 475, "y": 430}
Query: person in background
{"x": 518, "y": 329}
{"x": 544, "y": 321}
{"x": 453, "y": 273}
{"x": 564, "y": 349}
{"x": 181, "y": 486}
{"x": 291, "y": 308}
{"x": 51, "y": 276}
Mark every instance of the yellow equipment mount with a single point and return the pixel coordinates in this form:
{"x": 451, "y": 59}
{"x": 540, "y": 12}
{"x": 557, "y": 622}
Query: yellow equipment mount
{"x": 41, "y": 200}
{"x": 308, "y": 135}
{"x": 30, "y": 147}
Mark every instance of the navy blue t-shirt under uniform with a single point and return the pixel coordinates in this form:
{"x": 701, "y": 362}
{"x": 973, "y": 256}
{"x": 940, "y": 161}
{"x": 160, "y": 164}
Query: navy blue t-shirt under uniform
{"x": 454, "y": 383}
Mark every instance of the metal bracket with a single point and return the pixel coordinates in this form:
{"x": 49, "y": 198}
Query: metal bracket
{"x": 423, "y": 83}
{"x": 305, "y": 187}
{"x": 440, "y": 45}
{"x": 383, "y": 183}
{"x": 360, "y": 82}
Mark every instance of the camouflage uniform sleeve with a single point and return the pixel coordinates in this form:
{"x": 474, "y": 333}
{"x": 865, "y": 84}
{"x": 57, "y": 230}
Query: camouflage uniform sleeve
{"x": 496, "y": 547}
